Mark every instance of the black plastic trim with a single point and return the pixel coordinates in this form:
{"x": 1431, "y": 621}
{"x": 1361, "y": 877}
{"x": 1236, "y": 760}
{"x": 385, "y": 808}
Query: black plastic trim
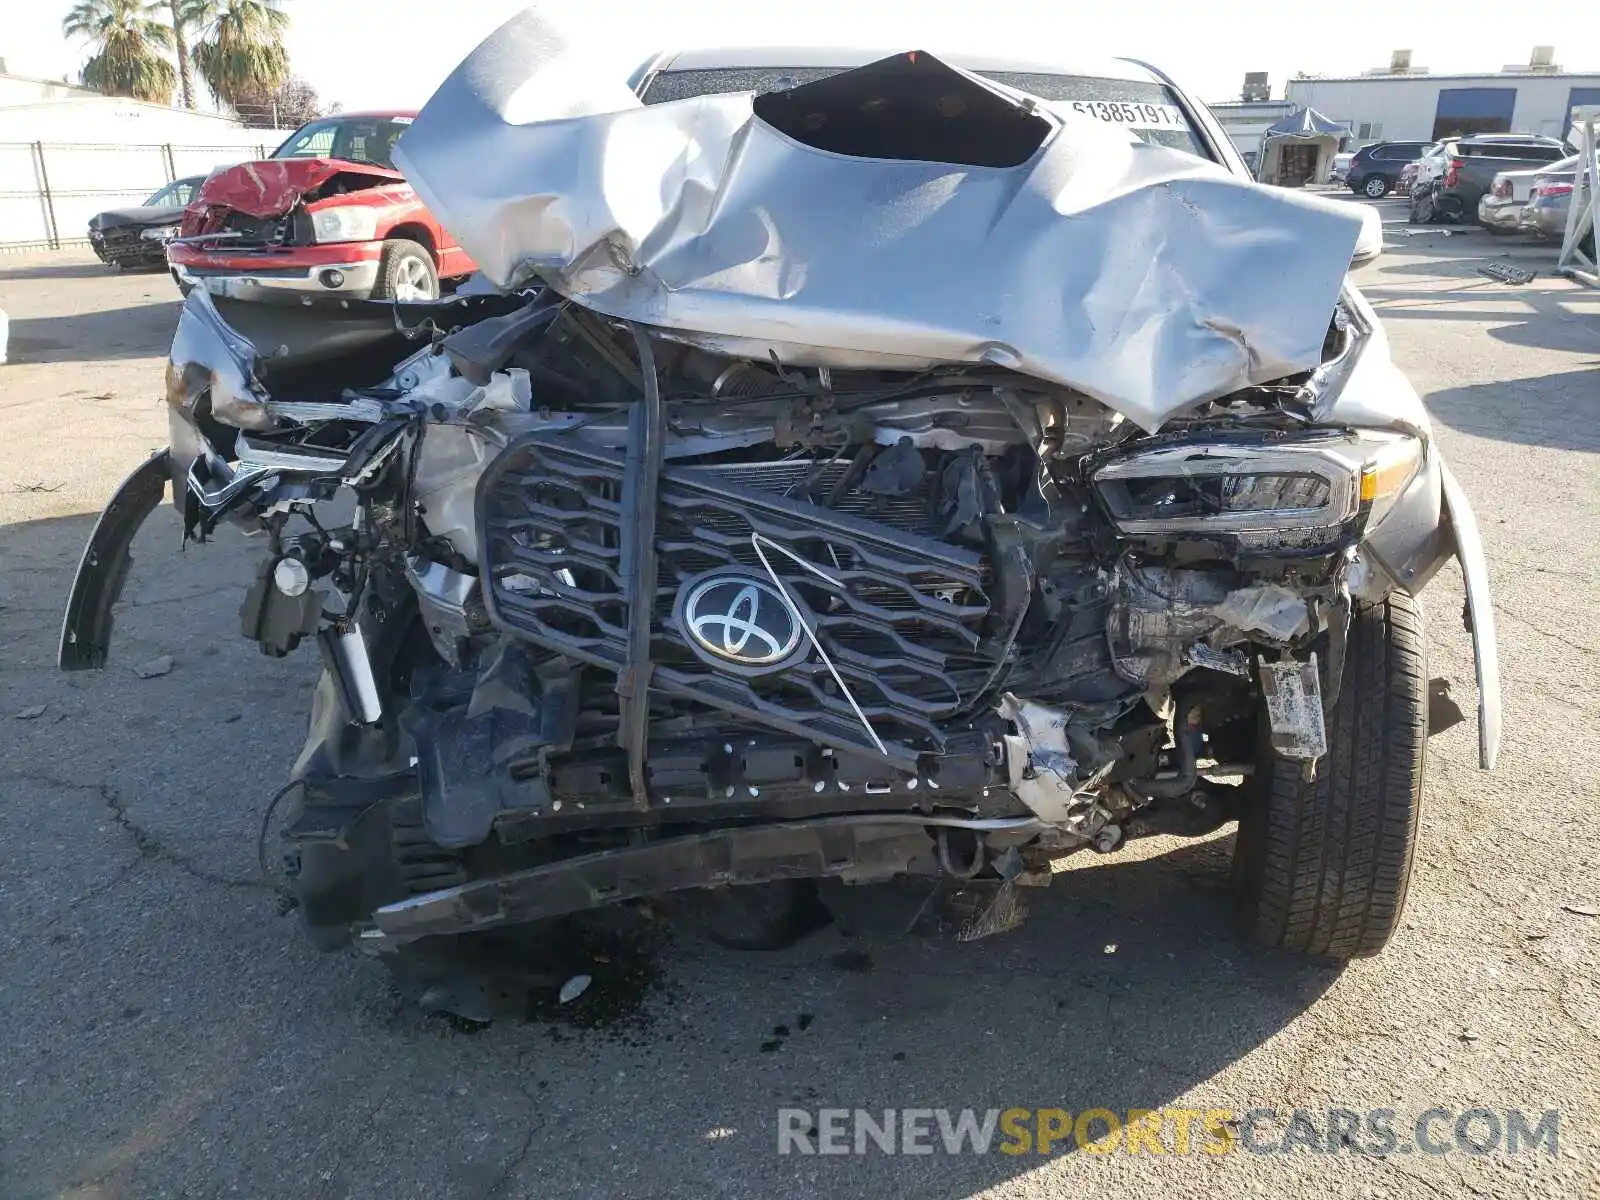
{"x": 103, "y": 569}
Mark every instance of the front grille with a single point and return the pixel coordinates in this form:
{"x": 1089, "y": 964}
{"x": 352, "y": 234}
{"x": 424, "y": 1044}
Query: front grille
{"x": 123, "y": 241}
{"x": 902, "y": 616}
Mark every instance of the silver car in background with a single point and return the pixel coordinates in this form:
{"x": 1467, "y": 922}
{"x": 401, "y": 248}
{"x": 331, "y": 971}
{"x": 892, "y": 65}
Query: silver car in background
{"x": 1544, "y": 215}
{"x": 1500, "y": 208}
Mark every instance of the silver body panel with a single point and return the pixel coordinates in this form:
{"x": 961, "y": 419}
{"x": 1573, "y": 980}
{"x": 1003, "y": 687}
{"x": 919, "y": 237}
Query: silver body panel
{"x": 1147, "y": 278}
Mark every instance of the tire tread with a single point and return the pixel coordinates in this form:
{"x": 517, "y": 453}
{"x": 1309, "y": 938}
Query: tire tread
{"x": 1327, "y": 868}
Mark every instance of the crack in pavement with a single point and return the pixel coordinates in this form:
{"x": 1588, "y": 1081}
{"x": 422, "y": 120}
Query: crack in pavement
{"x": 1554, "y": 637}
{"x": 148, "y": 844}
{"x": 509, "y": 1171}
{"x": 55, "y": 609}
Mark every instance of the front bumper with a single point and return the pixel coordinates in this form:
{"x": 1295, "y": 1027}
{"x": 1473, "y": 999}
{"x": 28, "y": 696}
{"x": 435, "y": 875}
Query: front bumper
{"x": 340, "y": 268}
{"x": 122, "y": 245}
{"x": 1495, "y": 213}
{"x": 857, "y": 849}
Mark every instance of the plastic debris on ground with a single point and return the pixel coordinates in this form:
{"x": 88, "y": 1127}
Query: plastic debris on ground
{"x": 1506, "y": 273}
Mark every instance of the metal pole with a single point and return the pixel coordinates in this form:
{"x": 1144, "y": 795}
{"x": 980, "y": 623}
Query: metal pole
{"x": 1585, "y": 205}
{"x": 51, "y": 231}
{"x": 169, "y": 162}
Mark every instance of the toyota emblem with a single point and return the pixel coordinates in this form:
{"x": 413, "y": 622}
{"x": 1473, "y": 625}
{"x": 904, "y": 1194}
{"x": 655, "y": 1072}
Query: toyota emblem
{"x": 741, "y": 620}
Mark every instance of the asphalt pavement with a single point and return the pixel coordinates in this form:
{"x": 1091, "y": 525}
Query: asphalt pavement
{"x": 168, "y": 1031}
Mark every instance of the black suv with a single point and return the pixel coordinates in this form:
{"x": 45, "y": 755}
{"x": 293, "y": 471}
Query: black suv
{"x": 1375, "y": 168}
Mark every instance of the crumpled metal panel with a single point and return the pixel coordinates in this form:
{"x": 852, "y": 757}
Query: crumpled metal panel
{"x": 1145, "y": 277}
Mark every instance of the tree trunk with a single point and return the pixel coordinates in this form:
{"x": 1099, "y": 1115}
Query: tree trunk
{"x": 185, "y": 70}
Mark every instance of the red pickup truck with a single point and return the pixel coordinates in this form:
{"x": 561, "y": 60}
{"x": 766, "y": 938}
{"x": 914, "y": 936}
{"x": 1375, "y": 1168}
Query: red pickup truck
{"x": 326, "y": 213}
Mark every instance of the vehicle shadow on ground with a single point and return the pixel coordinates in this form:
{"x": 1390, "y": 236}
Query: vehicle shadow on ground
{"x": 70, "y": 270}
{"x": 1560, "y": 410}
{"x": 1519, "y": 316}
{"x": 94, "y": 336}
{"x": 1124, "y": 989}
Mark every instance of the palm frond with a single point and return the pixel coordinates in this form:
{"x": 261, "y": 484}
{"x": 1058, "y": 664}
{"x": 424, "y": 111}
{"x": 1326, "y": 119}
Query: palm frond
{"x": 241, "y": 49}
{"x": 128, "y": 40}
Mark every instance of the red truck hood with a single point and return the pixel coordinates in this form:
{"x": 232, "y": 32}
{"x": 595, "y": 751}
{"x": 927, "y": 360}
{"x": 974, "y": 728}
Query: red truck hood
{"x": 272, "y": 186}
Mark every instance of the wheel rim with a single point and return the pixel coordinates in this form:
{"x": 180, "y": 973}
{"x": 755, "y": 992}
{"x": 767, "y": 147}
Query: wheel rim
{"x": 1375, "y": 187}
{"x": 411, "y": 280}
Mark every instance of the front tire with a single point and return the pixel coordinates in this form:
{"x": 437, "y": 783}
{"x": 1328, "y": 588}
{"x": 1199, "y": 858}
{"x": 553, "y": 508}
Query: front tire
{"x": 1376, "y": 187}
{"x": 1323, "y": 865}
{"x": 406, "y": 272}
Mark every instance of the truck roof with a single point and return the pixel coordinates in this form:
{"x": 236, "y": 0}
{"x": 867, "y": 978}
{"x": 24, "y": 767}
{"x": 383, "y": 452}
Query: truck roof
{"x": 367, "y": 113}
{"x": 844, "y": 57}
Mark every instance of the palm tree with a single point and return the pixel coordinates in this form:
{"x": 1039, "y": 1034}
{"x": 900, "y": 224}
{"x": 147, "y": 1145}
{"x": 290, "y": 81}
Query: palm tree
{"x": 240, "y": 52}
{"x": 128, "y": 42}
{"x": 181, "y": 44}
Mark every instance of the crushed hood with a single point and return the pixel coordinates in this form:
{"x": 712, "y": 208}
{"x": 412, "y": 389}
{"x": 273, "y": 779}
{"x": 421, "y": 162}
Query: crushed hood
{"x": 1063, "y": 248}
{"x": 270, "y": 187}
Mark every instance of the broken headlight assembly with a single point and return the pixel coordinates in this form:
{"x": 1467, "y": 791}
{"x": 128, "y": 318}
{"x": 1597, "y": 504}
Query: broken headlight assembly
{"x": 1318, "y": 483}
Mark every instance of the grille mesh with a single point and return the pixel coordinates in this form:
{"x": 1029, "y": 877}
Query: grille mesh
{"x": 902, "y": 618}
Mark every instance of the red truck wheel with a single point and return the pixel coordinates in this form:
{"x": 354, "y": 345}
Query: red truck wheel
{"x": 405, "y": 272}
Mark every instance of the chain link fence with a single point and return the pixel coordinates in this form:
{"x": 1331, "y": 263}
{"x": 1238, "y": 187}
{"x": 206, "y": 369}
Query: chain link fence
{"x": 49, "y": 190}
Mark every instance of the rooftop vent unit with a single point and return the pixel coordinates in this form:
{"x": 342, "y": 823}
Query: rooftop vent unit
{"x": 1399, "y": 64}
{"x": 1541, "y": 62}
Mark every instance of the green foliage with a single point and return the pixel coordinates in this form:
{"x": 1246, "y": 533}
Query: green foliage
{"x": 240, "y": 52}
{"x": 128, "y": 43}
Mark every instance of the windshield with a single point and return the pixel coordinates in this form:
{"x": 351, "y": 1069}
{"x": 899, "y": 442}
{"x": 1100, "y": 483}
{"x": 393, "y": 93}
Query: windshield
{"x": 1148, "y": 110}
{"x": 177, "y": 194}
{"x": 354, "y": 139}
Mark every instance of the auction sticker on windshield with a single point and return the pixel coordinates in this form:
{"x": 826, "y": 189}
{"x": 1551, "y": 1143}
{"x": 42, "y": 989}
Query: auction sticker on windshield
{"x": 1131, "y": 114}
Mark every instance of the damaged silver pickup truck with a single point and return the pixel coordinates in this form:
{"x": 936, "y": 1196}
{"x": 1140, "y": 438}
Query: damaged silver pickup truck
{"x": 862, "y": 465}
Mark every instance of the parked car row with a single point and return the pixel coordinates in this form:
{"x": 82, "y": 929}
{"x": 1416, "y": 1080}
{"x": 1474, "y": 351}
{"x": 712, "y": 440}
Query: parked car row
{"x": 1417, "y": 168}
{"x": 1453, "y": 179}
{"x": 326, "y": 214}
{"x": 1509, "y": 183}
{"x": 1535, "y": 203}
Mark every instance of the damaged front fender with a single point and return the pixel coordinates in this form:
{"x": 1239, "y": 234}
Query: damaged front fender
{"x": 1479, "y": 615}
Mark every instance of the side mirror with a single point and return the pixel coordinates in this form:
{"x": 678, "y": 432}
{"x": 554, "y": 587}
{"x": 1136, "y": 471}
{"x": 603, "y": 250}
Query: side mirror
{"x": 1369, "y": 243}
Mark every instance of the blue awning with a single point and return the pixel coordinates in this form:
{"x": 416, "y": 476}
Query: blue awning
{"x": 1307, "y": 123}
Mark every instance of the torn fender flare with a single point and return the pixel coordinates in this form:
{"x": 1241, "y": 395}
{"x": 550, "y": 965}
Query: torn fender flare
{"x": 1480, "y": 612}
{"x": 103, "y": 569}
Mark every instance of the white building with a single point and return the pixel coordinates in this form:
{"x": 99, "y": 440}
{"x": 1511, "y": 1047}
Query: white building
{"x": 1246, "y": 122}
{"x": 1406, "y": 103}
{"x": 24, "y": 89}
{"x": 68, "y": 152}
